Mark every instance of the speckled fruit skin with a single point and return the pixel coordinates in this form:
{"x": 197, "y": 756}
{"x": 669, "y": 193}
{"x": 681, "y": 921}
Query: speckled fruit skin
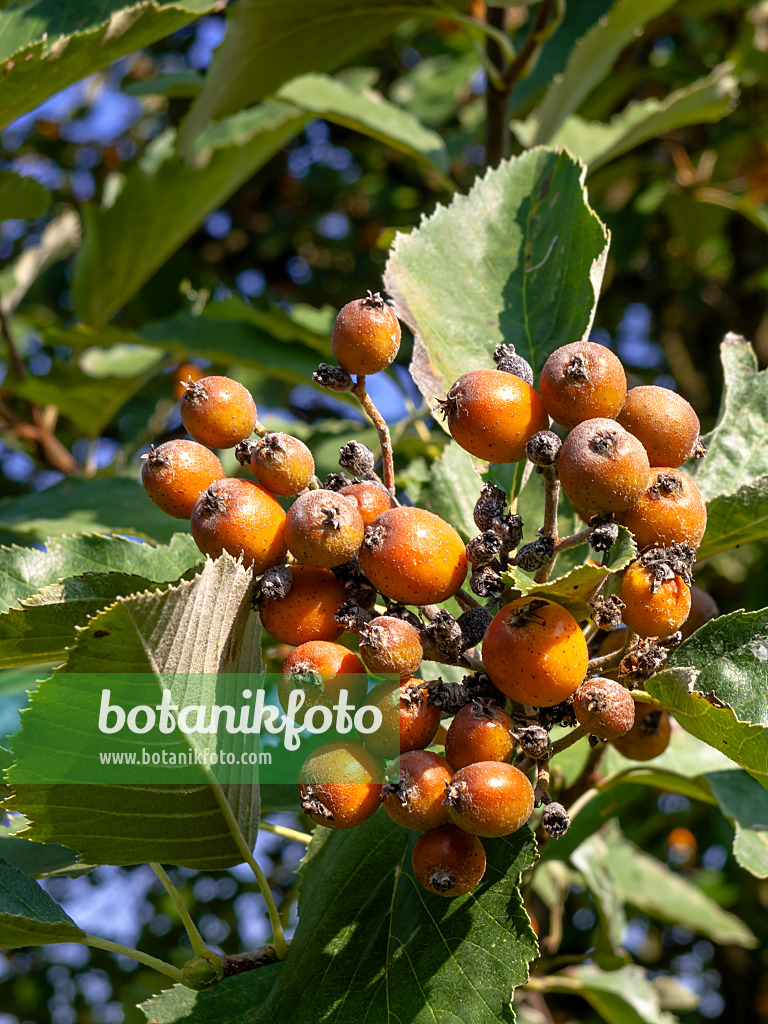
{"x": 323, "y": 529}
{"x": 448, "y": 862}
{"x": 648, "y": 737}
{"x": 420, "y": 559}
{"x": 572, "y": 394}
{"x": 602, "y": 467}
{"x": 218, "y": 411}
{"x": 663, "y": 422}
{"x": 422, "y": 776}
{"x": 307, "y": 610}
{"x": 537, "y": 658}
{"x": 604, "y": 708}
{"x": 656, "y": 614}
{"x": 282, "y": 464}
{"x": 703, "y": 608}
{"x": 492, "y": 799}
{"x": 493, "y": 415}
{"x": 176, "y": 473}
{"x": 345, "y": 778}
{"x": 366, "y": 336}
{"x": 408, "y": 722}
{"x": 338, "y": 667}
{"x": 391, "y": 646}
{"x": 371, "y": 499}
{"x": 671, "y": 511}
{"x": 251, "y": 524}
{"x": 478, "y": 733}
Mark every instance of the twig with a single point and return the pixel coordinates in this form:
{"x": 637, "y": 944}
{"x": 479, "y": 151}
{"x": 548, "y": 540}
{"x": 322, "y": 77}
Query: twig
{"x": 568, "y": 740}
{"x": 466, "y": 600}
{"x": 549, "y": 529}
{"x": 199, "y": 945}
{"x": 17, "y": 362}
{"x": 541, "y": 792}
{"x": 574, "y": 540}
{"x": 385, "y": 440}
{"x": 238, "y": 963}
{"x": 606, "y": 662}
{"x": 135, "y": 954}
{"x": 50, "y": 448}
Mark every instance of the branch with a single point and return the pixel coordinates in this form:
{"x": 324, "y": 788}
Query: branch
{"x": 385, "y": 440}
{"x": 17, "y": 362}
{"x": 549, "y": 529}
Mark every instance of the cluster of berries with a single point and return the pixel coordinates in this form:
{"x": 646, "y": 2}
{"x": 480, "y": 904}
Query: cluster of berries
{"x": 347, "y": 557}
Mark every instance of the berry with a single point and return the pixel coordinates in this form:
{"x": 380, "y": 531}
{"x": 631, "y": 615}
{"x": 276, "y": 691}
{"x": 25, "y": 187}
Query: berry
{"x": 390, "y": 645}
{"x": 333, "y": 378}
{"x": 413, "y": 556}
{"x": 479, "y": 732}
{"x": 339, "y": 784}
{"x": 371, "y": 499}
{"x": 648, "y": 737}
{"x": 582, "y": 381}
{"x": 307, "y": 611}
{"x": 509, "y": 361}
{"x": 176, "y": 473}
{"x": 448, "y": 861}
{"x": 357, "y": 458}
{"x": 703, "y": 608}
{"x": 671, "y": 511}
{"x": 413, "y": 794}
{"x": 239, "y": 517}
{"x": 484, "y": 548}
{"x": 604, "y": 708}
{"x": 184, "y": 374}
{"x": 654, "y": 608}
{"x": 535, "y": 652}
{"x": 544, "y": 448}
{"x": 555, "y": 820}
{"x": 408, "y": 721}
{"x": 602, "y": 467}
{"x": 218, "y": 411}
{"x": 323, "y": 529}
{"x": 663, "y": 422}
{"x": 490, "y": 799}
{"x": 366, "y": 335}
{"x": 489, "y": 507}
{"x": 493, "y": 415}
{"x": 282, "y": 464}
{"x": 321, "y": 669}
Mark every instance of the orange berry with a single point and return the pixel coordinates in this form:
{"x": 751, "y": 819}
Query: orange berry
{"x": 604, "y": 708}
{"x": 307, "y": 611}
{"x": 218, "y": 411}
{"x": 413, "y": 794}
{"x": 448, "y": 861}
{"x": 490, "y": 799}
{"x": 671, "y": 511}
{"x": 479, "y": 732}
{"x": 652, "y": 613}
{"x": 176, "y": 473}
{"x": 703, "y": 608}
{"x": 582, "y": 381}
{"x": 371, "y": 499}
{"x": 183, "y": 375}
{"x": 322, "y": 669}
{"x": 602, "y": 467}
{"x": 323, "y": 529}
{"x": 408, "y": 722}
{"x": 391, "y": 646}
{"x": 282, "y": 464}
{"x": 648, "y": 737}
{"x": 366, "y": 335}
{"x": 535, "y": 652}
{"x": 413, "y": 556}
{"x": 493, "y": 414}
{"x": 239, "y": 517}
{"x": 339, "y": 784}
{"x": 663, "y": 422}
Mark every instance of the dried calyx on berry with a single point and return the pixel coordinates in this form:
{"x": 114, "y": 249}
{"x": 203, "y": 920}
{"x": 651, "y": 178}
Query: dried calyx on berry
{"x": 555, "y": 820}
{"x": 352, "y": 617}
{"x": 399, "y": 611}
{"x": 473, "y": 623}
{"x": 484, "y": 548}
{"x": 358, "y": 459}
{"x": 534, "y": 742}
{"x": 557, "y": 714}
{"x": 356, "y": 583}
{"x": 606, "y": 612}
{"x": 486, "y": 582}
{"x": 244, "y": 450}
{"x": 449, "y": 697}
{"x": 275, "y": 583}
{"x": 510, "y": 530}
{"x": 666, "y": 563}
{"x": 534, "y": 556}
{"x": 445, "y": 633}
{"x": 605, "y": 533}
{"x": 543, "y": 449}
{"x": 333, "y": 378}
{"x": 489, "y": 506}
{"x": 509, "y": 361}
{"x": 335, "y": 482}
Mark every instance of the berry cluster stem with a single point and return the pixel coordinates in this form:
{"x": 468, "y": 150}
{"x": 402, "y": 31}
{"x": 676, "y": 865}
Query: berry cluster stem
{"x": 134, "y": 954}
{"x": 606, "y": 662}
{"x": 574, "y": 540}
{"x": 549, "y": 529}
{"x": 385, "y": 439}
{"x": 197, "y": 941}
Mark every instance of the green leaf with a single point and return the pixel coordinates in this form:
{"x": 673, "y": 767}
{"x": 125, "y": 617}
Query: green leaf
{"x": 591, "y": 59}
{"x": 24, "y": 197}
{"x": 34, "y": 859}
{"x": 596, "y": 143}
{"x": 592, "y": 860}
{"x": 48, "y": 45}
{"x": 173, "y": 84}
{"x": 521, "y": 277}
{"x": 269, "y": 42}
{"x": 234, "y": 1001}
{"x": 28, "y": 915}
{"x": 60, "y": 236}
{"x": 164, "y": 200}
{"x": 745, "y": 803}
{"x": 181, "y": 638}
{"x": 367, "y": 111}
{"x": 579, "y": 585}
{"x": 452, "y": 489}
{"x": 369, "y": 936}
{"x": 734, "y": 475}
{"x": 433, "y": 90}
{"x": 24, "y": 571}
{"x": 625, "y": 996}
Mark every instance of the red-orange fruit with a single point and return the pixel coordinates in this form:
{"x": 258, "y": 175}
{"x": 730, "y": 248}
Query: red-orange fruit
{"x": 408, "y": 721}
{"x": 413, "y": 556}
{"x": 582, "y": 381}
{"x": 653, "y": 614}
{"x": 703, "y": 608}
{"x": 535, "y": 652}
{"x": 340, "y": 784}
{"x": 371, "y": 499}
{"x": 391, "y": 645}
{"x": 366, "y": 335}
{"x": 321, "y": 669}
{"x": 479, "y": 732}
{"x": 218, "y": 411}
{"x": 672, "y": 511}
{"x": 664, "y": 423}
{"x": 604, "y": 708}
{"x": 176, "y": 473}
{"x": 490, "y": 799}
{"x": 448, "y": 861}
{"x": 307, "y": 611}
{"x": 241, "y": 518}
{"x": 282, "y": 464}
{"x": 602, "y": 467}
{"x": 648, "y": 737}
{"x": 323, "y": 529}
{"x": 413, "y": 794}
{"x": 493, "y": 415}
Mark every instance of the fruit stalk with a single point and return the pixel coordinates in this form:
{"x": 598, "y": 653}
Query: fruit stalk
{"x": 385, "y": 439}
